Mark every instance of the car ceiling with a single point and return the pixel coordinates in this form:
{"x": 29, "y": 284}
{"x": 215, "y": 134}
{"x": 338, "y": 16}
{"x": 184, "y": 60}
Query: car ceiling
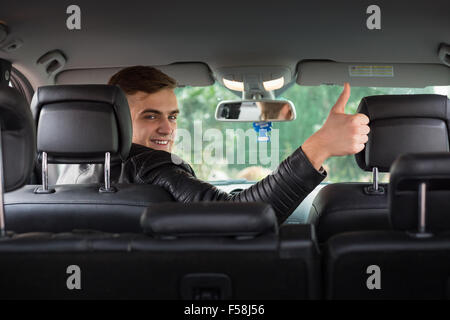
{"x": 226, "y": 33}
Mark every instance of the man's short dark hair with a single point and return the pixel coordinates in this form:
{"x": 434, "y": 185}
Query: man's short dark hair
{"x": 142, "y": 78}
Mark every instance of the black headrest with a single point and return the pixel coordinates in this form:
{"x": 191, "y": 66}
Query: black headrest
{"x": 403, "y": 124}
{"x": 80, "y": 123}
{"x": 209, "y": 219}
{"x": 407, "y": 172}
{"x": 18, "y": 138}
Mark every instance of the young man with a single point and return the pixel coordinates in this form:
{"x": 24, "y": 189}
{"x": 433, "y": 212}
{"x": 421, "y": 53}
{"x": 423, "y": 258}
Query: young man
{"x": 154, "y": 110}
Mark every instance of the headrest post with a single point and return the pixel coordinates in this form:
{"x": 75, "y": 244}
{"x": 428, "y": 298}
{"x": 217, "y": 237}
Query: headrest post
{"x": 375, "y": 178}
{"x": 44, "y": 172}
{"x": 374, "y": 189}
{"x": 107, "y": 172}
{"x": 422, "y": 205}
{"x": 2, "y": 209}
{"x": 44, "y": 188}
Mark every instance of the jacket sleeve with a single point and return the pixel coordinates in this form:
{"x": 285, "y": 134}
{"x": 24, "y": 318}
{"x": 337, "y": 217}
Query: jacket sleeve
{"x": 284, "y": 189}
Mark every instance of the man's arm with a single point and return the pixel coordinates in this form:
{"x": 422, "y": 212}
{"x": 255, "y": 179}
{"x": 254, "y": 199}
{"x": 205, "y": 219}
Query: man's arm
{"x": 284, "y": 189}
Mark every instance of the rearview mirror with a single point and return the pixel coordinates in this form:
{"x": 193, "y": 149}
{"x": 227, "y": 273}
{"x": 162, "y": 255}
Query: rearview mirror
{"x": 255, "y": 110}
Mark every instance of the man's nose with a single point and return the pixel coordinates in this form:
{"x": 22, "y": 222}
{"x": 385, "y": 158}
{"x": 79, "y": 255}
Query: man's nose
{"x": 164, "y": 127}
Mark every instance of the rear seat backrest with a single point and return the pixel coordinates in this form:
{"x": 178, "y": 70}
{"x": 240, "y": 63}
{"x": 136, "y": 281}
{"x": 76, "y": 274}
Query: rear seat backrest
{"x": 398, "y": 124}
{"x": 190, "y": 251}
{"x": 80, "y": 124}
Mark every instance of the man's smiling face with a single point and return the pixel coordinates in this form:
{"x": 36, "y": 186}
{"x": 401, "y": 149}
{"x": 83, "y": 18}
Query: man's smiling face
{"x": 154, "y": 117}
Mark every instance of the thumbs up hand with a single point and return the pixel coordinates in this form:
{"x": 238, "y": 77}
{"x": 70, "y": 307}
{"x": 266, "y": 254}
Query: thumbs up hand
{"x": 342, "y": 134}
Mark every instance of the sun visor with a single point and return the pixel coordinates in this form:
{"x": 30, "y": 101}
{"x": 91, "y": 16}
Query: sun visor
{"x": 186, "y": 74}
{"x": 5, "y": 72}
{"x": 394, "y": 75}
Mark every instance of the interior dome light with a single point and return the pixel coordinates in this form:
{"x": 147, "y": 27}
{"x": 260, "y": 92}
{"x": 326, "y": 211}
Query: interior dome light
{"x": 273, "y": 84}
{"x": 233, "y": 85}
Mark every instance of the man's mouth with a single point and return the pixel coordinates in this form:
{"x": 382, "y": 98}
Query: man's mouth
{"x": 160, "y": 142}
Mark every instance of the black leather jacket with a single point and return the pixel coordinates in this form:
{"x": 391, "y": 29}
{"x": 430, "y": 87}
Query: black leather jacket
{"x": 284, "y": 189}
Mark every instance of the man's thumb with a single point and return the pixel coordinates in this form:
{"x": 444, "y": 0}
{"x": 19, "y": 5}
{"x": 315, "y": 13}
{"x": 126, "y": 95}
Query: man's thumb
{"x": 339, "y": 106}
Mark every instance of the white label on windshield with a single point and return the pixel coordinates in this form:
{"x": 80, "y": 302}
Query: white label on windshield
{"x": 371, "y": 71}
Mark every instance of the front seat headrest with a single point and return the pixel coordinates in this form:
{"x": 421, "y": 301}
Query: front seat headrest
{"x": 18, "y": 142}
{"x": 210, "y": 219}
{"x": 403, "y": 124}
{"x": 407, "y": 173}
{"x": 80, "y": 123}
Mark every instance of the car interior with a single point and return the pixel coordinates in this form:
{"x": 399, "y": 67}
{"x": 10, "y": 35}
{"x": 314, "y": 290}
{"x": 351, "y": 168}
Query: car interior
{"x": 376, "y": 229}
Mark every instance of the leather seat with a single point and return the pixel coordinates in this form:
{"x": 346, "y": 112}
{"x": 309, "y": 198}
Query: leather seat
{"x": 398, "y": 124}
{"x": 412, "y": 261}
{"x": 17, "y": 145}
{"x": 80, "y": 124}
{"x": 195, "y": 251}
{"x": 18, "y": 138}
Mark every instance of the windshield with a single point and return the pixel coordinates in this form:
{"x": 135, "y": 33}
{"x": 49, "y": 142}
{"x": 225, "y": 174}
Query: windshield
{"x": 230, "y": 151}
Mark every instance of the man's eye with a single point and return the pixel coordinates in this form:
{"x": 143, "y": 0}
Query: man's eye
{"x": 174, "y": 118}
{"x": 150, "y": 117}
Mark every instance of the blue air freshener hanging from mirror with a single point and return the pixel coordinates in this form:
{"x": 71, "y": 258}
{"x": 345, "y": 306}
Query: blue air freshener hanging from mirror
{"x": 263, "y": 129}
